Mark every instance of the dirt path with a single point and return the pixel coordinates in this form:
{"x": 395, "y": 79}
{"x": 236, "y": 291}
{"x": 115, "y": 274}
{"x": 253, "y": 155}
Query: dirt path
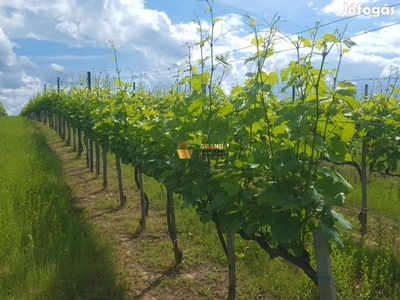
{"x": 146, "y": 274}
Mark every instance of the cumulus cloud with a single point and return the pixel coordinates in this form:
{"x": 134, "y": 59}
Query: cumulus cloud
{"x": 14, "y": 98}
{"x": 15, "y": 85}
{"x": 69, "y": 29}
{"x": 56, "y": 67}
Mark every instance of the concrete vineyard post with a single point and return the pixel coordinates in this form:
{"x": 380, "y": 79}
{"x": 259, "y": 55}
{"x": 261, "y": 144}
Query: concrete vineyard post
{"x": 327, "y": 290}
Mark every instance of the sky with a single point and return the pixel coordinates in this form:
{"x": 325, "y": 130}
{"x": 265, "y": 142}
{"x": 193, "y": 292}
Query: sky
{"x": 41, "y": 40}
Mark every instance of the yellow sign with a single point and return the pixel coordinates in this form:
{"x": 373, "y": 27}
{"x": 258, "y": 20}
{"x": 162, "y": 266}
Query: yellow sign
{"x": 183, "y": 150}
{"x": 205, "y": 149}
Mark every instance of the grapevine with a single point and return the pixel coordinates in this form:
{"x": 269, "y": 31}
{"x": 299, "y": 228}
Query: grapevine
{"x": 273, "y": 185}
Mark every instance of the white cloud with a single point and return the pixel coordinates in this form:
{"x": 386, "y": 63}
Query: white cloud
{"x": 15, "y": 98}
{"x": 56, "y": 67}
{"x": 15, "y": 85}
{"x": 69, "y": 29}
{"x": 383, "y": 43}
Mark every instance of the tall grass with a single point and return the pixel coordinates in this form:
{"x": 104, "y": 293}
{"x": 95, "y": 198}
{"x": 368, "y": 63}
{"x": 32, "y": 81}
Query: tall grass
{"x": 46, "y": 250}
{"x": 383, "y": 192}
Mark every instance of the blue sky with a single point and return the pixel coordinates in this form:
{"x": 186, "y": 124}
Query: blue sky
{"x": 41, "y": 40}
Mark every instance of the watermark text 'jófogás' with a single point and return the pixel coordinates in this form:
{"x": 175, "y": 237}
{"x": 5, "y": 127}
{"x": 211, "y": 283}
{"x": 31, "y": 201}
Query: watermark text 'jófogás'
{"x": 358, "y": 9}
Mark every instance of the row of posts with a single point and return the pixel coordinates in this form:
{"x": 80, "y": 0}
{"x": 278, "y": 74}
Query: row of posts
{"x": 62, "y": 127}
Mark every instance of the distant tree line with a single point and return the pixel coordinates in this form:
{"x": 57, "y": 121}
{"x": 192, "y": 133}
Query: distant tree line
{"x": 3, "y": 112}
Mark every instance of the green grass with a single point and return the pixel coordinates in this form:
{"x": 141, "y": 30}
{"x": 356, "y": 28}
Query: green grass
{"x": 47, "y": 251}
{"x": 369, "y": 266}
{"x": 383, "y": 192}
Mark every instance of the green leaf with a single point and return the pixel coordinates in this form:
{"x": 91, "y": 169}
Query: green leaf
{"x": 333, "y": 176}
{"x": 255, "y": 127}
{"x": 155, "y": 134}
{"x": 345, "y": 50}
{"x": 206, "y": 217}
{"x": 319, "y": 143}
{"x": 285, "y": 74}
{"x": 129, "y": 108}
{"x": 346, "y": 225}
{"x": 223, "y": 61}
{"x": 237, "y": 89}
{"x": 350, "y": 100}
{"x": 349, "y": 43}
{"x": 218, "y": 130}
{"x": 238, "y": 163}
{"x": 337, "y": 149}
{"x": 281, "y": 200}
{"x": 317, "y": 197}
{"x": 257, "y": 41}
{"x": 249, "y": 60}
{"x": 117, "y": 82}
{"x": 219, "y": 91}
{"x": 272, "y": 78}
{"x": 384, "y": 142}
{"x": 286, "y": 230}
{"x": 198, "y": 80}
{"x": 218, "y": 202}
{"x": 295, "y": 116}
{"x": 331, "y": 233}
{"x": 196, "y": 105}
{"x": 252, "y": 22}
{"x": 231, "y": 186}
{"x": 306, "y": 42}
{"x": 226, "y": 109}
{"x": 346, "y": 91}
{"x": 349, "y": 130}
{"x": 330, "y": 37}
{"x": 239, "y": 254}
{"x": 339, "y": 178}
